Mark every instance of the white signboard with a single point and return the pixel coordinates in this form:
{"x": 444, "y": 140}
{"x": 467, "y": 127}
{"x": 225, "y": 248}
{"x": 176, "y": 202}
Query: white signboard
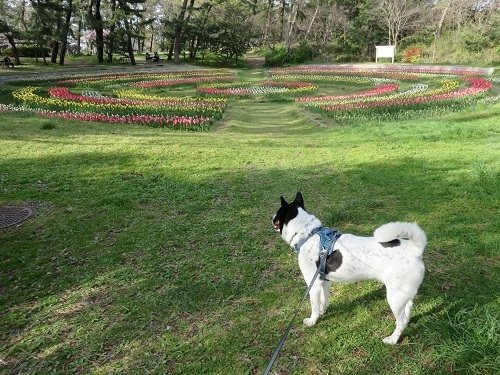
{"x": 384, "y": 51}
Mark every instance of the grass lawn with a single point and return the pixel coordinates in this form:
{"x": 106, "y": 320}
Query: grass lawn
{"x": 152, "y": 250}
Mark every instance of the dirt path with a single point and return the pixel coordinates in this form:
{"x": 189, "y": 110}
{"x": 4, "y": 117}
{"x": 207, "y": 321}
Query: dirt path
{"x": 255, "y": 62}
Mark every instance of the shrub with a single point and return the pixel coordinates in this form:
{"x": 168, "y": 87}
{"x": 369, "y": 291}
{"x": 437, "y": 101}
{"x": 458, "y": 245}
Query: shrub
{"x": 276, "y": 57}
{"x": 29, "y": 51}
{"x": 411, "y": 54}
{"x": 279, "y": 56}
{"x": 301, "y": 54}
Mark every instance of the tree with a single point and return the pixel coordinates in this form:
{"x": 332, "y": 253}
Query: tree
{"x": 235, "y": 30}
{"x": 398, "y": 16}
{"x": 13, "y": 23}
{"x": 45, "y": 18}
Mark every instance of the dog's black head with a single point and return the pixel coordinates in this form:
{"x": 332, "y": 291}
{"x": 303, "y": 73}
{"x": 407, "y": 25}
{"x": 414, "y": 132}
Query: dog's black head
{"x": 287, "y": 212}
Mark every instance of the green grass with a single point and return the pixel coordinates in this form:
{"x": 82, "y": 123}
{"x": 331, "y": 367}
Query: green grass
{"x": 151, "y": 251}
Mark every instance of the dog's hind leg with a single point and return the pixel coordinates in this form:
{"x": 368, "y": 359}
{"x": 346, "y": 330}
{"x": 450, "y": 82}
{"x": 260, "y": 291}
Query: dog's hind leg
{"x": 401, "y": 304}
{"x": 325, "y": 296}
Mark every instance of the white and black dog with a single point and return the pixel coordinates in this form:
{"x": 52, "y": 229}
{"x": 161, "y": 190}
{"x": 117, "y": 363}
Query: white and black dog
{"x": 393, "y": 256}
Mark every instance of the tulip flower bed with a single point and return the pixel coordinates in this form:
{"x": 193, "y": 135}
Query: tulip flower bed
{"x": 266, "y": 88}
{"x": 124, "y": 106}
{"x": 179, "y": 77}
{"x": 386, "y": 93}
{"x": 447, "y": 90}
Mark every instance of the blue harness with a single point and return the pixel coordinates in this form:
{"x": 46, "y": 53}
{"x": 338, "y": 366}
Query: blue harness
{"x": 328, "y": 237}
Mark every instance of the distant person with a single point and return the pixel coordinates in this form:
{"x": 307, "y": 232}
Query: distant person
{"x": 156, "y": 58}
{"x": 7, "y": 61}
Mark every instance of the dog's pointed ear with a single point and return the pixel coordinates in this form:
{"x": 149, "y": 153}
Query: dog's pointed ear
{"x": 283, "y": 202}
{"x": 299, "y": 200}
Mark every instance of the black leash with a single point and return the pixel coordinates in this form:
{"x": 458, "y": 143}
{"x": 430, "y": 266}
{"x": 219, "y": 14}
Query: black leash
{"x": 287, "y": 331}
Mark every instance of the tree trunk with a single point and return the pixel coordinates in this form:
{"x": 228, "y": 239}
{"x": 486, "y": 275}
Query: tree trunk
{"x": 178, "y": 32}
{"x": 265, "y": 32}
{"x": 170, "y": 51}
{"x": 12, "y": 43}
{"x": 66, "y": 27}
{"x": 312, "y": 22}
{"x": 282, "y": 19}
{"x": 289, "y": 26}
{"x": 112, "y": 27}
{"x": 79, "y": 40}
{"x": 130, "y": 48}
{"x": 54, "y": 52}
{"x": 437, "y": 32}
{"x": 96, "y": 18}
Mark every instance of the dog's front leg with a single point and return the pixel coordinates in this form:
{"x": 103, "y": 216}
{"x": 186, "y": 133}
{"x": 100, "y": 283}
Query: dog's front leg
{"x": 325, "y": 296}
{"x": 307, "y": 260}
{"x": 315, "y": 296}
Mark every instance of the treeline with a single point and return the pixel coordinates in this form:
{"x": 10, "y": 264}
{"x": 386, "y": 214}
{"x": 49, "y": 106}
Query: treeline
{"x": 286, "y": 31}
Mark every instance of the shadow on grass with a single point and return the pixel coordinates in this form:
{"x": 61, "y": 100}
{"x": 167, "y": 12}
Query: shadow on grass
{"x": 131, "y": 268}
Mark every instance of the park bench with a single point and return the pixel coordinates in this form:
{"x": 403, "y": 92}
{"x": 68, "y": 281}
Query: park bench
{"x": 123, "y": 59}
{"x": 151, "y": 58}
{"x": 3, "y": 65}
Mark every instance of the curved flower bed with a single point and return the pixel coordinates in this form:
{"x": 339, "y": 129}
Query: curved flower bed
{"x": 394, "y": 107}
{"x": 181, "y": 81}
{"x": 385, "y": 101}
{"x": 136, "y": 97}
{"x": 105, "y": 79}
{"x": 267, "y": 88}
{"x": 396, "y": 71}
{"x": 175, "y": 104}
{"x": 176, "y": 113}
{"x": 382, "y": 89}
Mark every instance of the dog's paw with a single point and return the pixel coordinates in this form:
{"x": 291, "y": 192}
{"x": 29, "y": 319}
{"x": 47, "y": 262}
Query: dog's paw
{"x": 309, "y": 322}
{"x": 390, "y": 340}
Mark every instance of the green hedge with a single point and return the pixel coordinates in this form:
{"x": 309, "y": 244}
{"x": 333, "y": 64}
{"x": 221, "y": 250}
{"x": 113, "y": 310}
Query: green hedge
{"x": 28, "y": 51}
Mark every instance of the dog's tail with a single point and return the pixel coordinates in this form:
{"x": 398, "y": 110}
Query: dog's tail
{"x": 397, "y": 230}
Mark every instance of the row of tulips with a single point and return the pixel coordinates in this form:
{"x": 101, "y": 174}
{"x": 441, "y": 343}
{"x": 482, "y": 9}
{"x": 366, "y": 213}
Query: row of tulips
{"x": 143, "y": 76}
{"x": 453, "y": 100}
{"x": 173, "y": 122}
{"x": 134, "y": 94}
{"x": 400, "y": 113}
{"x": 325, "y": 78}
{"x": 198, "y": 123}
{"x": 415, "y": 90}
{"x": 399, "y": 71}
{"x": 333, "y": 75}
{"x": 379, "y": 90}
{"x": 28, "y": 97}
{"x": 181, "y": 81}
{"x": 266, "y": 88}
{"x": 64, "y": 93}
{"x": 478, "y": 86}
